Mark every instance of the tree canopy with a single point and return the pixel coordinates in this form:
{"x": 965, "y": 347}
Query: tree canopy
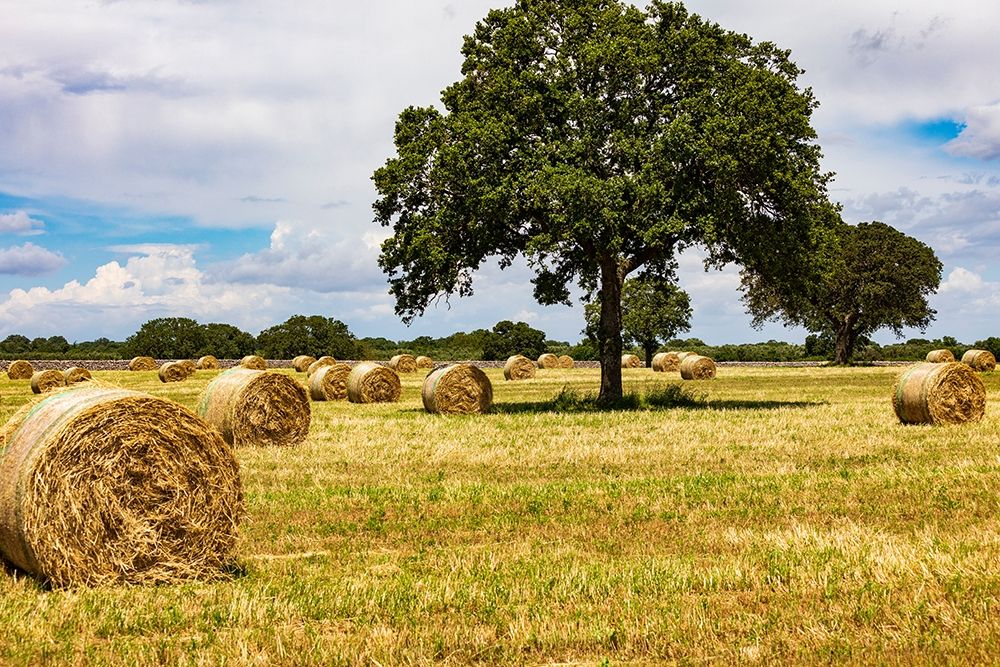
{"x": 597, "y": 139}
{"x": 877, "y": 277}
{"x": 652, "y": 313}
{"x": 167, "y": 338}
{"x": 315, "y": 335}
{"x": 509, "y": 338}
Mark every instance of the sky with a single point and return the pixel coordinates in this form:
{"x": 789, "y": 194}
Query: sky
{"x": 212, "y": 159}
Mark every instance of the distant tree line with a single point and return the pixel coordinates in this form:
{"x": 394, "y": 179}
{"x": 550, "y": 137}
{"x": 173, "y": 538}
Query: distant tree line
{"x": 184, "y": 338}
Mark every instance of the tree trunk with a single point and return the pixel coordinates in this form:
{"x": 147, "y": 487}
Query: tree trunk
{"x": 846, "y": 338}
{"x": 609, "y": 333}
{"x": 650, "y": 350}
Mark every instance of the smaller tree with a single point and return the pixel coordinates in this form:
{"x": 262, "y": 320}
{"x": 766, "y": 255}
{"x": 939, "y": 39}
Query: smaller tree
{"x": 315, "y": 335}
{"x": 510, "y": 338}
{"x": 167, "y": 338}
{"x": 226, "y": 341}
{"x": 653, "y": 312}
{"x": 872, "y": 277}
{"x": 15, "y": 344}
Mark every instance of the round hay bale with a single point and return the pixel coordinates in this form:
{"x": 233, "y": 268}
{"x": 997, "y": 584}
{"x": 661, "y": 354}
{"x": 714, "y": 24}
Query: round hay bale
{"x": 980, "y": 360}
{"x": 373, "y": 383}
{"x": 20, "y": 370}
{"x": 76, "y": 374}
{"x": 250, "y": 407}
{"x": 403, "y": 363}
{"x": 940, "y": 357}
{"x": 697, "y": 367}
{"x": 302, "y": 362}
{"x": 425, "y": 362}
{"x": 43, "y": 381}
{"x": 329, "y": 383}
{"x": 519, "y": 367}
{"x": 939, "y": 393}
{"x": 566, "y": 361}
{"x": 457, "y": 389}
{"x": 107, "y": 486}
{"x": 319, "y": 363}
{"x": 142, "y": 364}
{"x": 172, "y": 371}
{"x": 207, "y": 363}
{"x": 666, "y": 362}
{"x": 254, "y": 362}
{"x": 631, "y": 361}
{"x": 189, "y": 366}
{"x": 681, "y": 355}
{"x": 548, "y": 360}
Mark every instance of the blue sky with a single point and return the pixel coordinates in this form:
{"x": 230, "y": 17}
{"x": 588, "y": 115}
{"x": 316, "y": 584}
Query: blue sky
{"x": 212, "y": 159}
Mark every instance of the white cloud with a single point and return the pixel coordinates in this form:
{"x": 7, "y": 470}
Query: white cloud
{"x": 962, "y": 281}
{"x": 29, "y": 260}
{"x": 980, "y": 138}
{"x": 19, "y": 222}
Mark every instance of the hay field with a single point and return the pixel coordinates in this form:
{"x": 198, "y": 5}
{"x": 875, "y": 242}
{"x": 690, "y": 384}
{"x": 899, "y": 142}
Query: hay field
{"x": 791, "y": 518}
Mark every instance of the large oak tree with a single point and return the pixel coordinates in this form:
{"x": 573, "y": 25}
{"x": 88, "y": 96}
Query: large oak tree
{"x": 598, "y": 139}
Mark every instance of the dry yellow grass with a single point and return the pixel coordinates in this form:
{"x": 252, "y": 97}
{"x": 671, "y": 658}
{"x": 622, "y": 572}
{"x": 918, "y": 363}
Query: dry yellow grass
{"x": 793, "y": 519}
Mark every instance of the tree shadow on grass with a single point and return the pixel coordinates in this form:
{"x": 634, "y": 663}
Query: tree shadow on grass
{"x": 670, "y": 397}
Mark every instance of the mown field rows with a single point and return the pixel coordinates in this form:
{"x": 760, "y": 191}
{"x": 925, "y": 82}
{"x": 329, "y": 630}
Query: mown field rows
{"x": 790, "y": 517}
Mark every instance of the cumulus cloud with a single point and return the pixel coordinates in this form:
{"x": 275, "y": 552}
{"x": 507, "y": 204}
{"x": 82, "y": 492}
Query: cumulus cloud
{"x": 29, "y": 260}
{"x": 309, "y": 259}
{"x": 980, "y": 138}
{"x": 19, "y": 222}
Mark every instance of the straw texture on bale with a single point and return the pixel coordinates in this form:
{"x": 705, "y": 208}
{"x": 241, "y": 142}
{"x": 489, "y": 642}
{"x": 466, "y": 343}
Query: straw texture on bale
{"x": 250, "y": 407}
{"x": 373, "y": 383}
{"x": 681, "y": 355}
{"x": 106, "y": 486}
{"x": 403, "y": 363}
{"x": 548, "y": 360}
{"x": 43, "y": 381}
{"x": 940, "y": 357}
{"x": 697, "y": 367}
{"x": 253, "y": 362}
{"x": 302, "y": 362}
{"x": 934, "y": 393}
{"x": 329, "y": 383}
{"x": 319, "y": 363}
{"x": 425, "y": 362}
{"x": 666, "y": 362}
{"x": 565, "y": 361}
{"x": 207, "y": 363}
{"x": 189, "y": 366}
{"x": 172, "y": 371}
{"x": 631, "y": 361}
{"x": 519, "y": 367}
{"x": 457, "y": 389}
{"x": 20, "y": 370}
{"x": 76, "y": 374}
{"x": 980, "y": 360}
{"x": 142, "y": 364}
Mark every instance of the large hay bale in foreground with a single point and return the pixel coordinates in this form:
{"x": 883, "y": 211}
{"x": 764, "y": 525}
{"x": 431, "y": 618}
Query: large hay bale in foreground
{"x": 373, "y": 383}
{"x": 43, "y": 381}
{"x": 20, "y": 370}
{"x": 548, "y": 360}
{"x": 940, "y": 357}
{"x": 251, "y": 407}
{"x": 329, "y": 383}
{"x": 105, "y": 486}
{"x": 302, "y": 362}
{"x": 319, "y": 363}
{"x": 697, "y": 367}
{"x": 142, "y": 364}
{"x": 519, "y": 367}
{"x": 172, "y": 371}
{"x": 207, "y": 363}
{"x": 75, "y": 374}
{"x": 566, "y": 361}
{"x": 980, "y": 360}
{"x": 666, "y": 362}
{"x": 254, "y": 362}
{"x": 403, "y": 363}
{"x": 457, "y": 389}
{"x": 425, "y": 362}
{"x": 935, "y": 393}
{"x": 631, "y": 361}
